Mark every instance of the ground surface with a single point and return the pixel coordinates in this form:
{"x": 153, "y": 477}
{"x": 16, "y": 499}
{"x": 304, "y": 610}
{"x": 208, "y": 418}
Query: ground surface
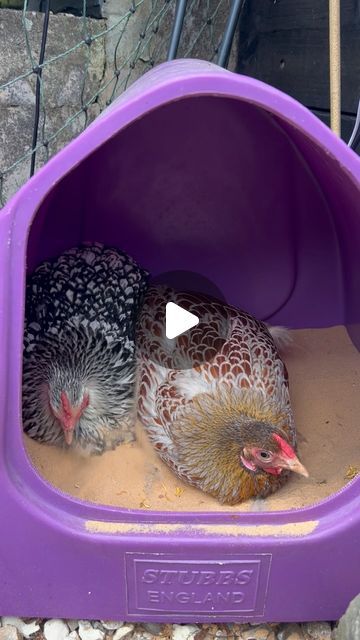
{"x": 16, "y": 629}
{"x": 324, "y": 370}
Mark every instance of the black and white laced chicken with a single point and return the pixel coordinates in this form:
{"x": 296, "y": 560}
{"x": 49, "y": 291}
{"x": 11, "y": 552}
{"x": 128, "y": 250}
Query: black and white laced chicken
{"x": 79, "y": 349}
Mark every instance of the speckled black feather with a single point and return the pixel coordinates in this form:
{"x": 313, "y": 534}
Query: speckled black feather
{"x": 81, "y": 311}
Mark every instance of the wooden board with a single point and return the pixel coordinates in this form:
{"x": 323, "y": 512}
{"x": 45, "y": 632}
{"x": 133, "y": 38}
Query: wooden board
{"x": 286, "y": 44}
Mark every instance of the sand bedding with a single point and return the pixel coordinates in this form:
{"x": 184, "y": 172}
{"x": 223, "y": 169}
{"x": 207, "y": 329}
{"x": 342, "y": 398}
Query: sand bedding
{"x": 324, "y": 371}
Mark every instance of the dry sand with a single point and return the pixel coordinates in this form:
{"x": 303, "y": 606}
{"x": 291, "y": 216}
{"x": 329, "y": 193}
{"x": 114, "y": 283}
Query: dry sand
{"x": 324, "y": 370}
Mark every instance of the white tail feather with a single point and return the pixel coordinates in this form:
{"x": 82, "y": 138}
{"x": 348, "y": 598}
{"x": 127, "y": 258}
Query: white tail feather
{"x": 281, "y": 336}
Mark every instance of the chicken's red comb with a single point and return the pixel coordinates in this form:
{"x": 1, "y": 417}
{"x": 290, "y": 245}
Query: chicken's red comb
{"x": 285, "y": 447}
{"x": 65, "y": 404}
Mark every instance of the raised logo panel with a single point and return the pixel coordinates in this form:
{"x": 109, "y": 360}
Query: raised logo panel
{"x": 165, "y": 583}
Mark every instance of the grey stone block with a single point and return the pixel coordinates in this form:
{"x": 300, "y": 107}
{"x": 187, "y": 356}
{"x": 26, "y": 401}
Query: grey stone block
{"x": 349, "y": 624}
{"x": 68, "y": 83}
{"x": 69, "y": 80}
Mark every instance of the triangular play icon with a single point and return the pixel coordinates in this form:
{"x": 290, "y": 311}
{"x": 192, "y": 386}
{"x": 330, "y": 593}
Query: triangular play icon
{"x": 178, "y": 320}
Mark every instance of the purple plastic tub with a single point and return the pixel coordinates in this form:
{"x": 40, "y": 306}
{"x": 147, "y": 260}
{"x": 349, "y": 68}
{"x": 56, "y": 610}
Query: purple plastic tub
{"x": 199, "y": 169}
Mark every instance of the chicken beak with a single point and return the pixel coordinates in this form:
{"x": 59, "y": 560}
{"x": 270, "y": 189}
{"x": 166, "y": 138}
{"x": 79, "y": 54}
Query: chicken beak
{"x": 68, "y": 435}
{"x": 294, "y": 465}
{"x": 69, "y": 419}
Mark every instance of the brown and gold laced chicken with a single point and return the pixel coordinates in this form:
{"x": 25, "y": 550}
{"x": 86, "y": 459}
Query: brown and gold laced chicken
{"x": 215, "y": 401}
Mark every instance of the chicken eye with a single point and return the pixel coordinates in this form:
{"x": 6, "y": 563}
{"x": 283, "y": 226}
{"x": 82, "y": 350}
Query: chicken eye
{"x": 265, "y": 455}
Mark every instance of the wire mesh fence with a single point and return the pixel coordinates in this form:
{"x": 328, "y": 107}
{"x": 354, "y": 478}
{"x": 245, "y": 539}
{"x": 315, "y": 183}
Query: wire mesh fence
{"x": 59, "y": 71}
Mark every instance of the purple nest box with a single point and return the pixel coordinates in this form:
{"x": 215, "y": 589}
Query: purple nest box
{"x": 193, "y": 168}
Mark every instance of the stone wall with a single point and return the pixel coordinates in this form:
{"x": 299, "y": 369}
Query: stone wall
{"x": 77, "y": 85}
{"x": 67, "y": 84}
{"x": 149, "y": 34}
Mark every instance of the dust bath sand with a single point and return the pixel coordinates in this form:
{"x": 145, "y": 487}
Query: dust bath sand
{"x": 324, "y": 370}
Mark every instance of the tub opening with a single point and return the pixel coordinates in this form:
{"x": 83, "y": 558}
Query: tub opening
{"x": 225, "y": 189}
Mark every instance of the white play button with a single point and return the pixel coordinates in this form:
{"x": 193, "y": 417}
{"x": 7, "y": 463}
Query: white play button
{"x": 178, "y": 320}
